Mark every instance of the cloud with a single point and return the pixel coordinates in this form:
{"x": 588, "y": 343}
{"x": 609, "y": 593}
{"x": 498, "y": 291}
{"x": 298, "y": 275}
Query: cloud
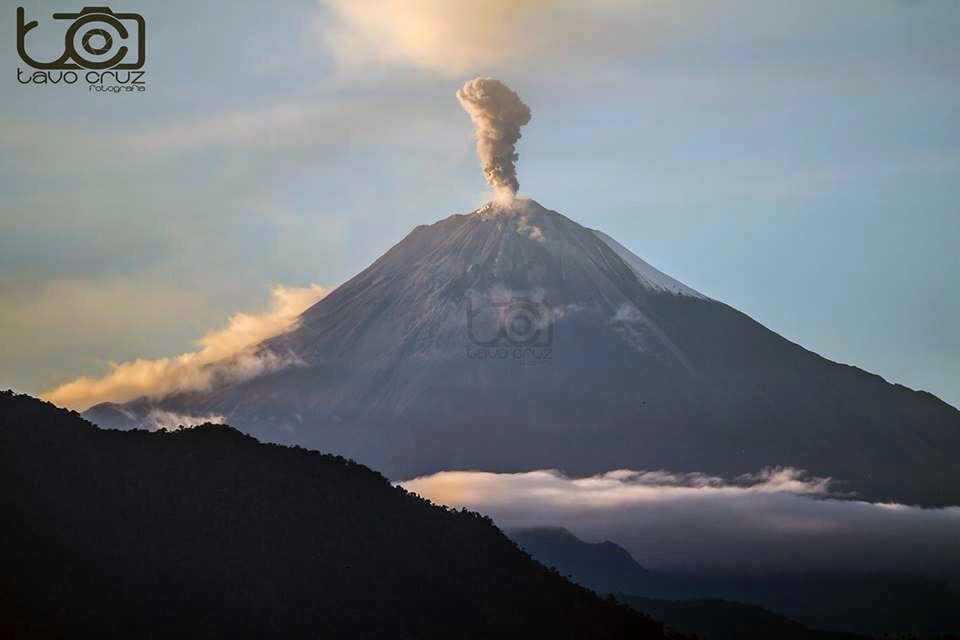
{"x": 160, "y": 419}
{"x": 776, "y": 520}
{"x": 287, "y": 130}
{"x": 449, "y": 36}
{"x": 224, "y": 355}
{"x": 454, "y": 37}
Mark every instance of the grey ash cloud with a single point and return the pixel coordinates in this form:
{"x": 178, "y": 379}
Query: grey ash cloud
{"x": 497, "y": 113}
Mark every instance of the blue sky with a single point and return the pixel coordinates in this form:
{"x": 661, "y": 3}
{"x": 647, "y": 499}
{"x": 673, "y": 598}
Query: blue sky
{"x": 799, "y": 161}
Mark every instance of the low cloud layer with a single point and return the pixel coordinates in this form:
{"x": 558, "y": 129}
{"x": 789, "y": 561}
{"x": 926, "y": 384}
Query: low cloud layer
{"x": 223, "y": 355}
{"x": 776, "y": 520}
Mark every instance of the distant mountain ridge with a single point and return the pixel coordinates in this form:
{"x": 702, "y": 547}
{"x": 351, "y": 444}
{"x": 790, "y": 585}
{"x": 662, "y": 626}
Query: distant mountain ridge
{"x": 605, "y": 567}
{"x": 714, "y": 619}
{"x": 509, "y": 340}
{"x": 726, "y": 606}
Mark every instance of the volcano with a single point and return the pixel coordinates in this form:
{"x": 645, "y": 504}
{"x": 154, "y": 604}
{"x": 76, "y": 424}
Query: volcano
{"x": 516, "y": 339}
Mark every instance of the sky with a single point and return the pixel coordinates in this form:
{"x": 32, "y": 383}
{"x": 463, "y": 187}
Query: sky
{"x": 798, "y": 161}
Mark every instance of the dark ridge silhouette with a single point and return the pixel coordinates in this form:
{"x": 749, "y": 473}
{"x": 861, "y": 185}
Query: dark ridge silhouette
{"x": 715, "y": 605}
{"x": 713, "y": 619}
{"x": 605, "y": 567}
{"x": 206, "y": 532}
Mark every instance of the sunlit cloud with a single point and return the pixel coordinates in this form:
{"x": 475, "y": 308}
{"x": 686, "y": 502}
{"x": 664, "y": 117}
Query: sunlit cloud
{"x": 776, "y": 520}
{"x": 159, "y": 419}
{"x": 223, "y": 355}
{"x": 450, "y": 36}
{"x": 454, "y": 37}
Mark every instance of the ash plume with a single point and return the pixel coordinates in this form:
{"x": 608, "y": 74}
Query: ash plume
{"x": 497, "y": 114}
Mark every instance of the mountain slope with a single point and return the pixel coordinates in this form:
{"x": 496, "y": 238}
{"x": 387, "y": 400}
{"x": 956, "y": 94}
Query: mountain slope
{"x": 206, "y": 532}
{"x": 752, "y": 605}
{"x": 721, "y": 620}
{"x": 605, "y": 567}
{"x": 514, "y": 340}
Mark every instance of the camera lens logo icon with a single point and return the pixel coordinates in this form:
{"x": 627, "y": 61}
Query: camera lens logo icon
{"x": 97, "y": 38}
{"x": 520, "y": 322}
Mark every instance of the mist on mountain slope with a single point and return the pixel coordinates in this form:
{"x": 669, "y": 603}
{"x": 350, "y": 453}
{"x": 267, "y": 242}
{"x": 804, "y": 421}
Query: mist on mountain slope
{"x": 780, "y": 520}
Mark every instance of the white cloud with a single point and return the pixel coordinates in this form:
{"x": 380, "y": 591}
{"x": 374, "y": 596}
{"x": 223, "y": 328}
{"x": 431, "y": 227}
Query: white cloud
{"x": 160, "y": 419}
{"x": 776, "y": 520}
{"x": 226, "y": 354}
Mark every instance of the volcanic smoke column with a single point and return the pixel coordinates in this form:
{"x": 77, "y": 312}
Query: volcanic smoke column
{"x": 497, "y": 113}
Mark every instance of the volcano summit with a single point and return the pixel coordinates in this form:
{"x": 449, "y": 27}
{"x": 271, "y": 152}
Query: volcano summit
{"x": 511, "y": 339}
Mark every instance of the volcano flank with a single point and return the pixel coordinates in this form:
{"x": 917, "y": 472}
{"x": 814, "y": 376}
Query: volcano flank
{"x": 511, "y": 339}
